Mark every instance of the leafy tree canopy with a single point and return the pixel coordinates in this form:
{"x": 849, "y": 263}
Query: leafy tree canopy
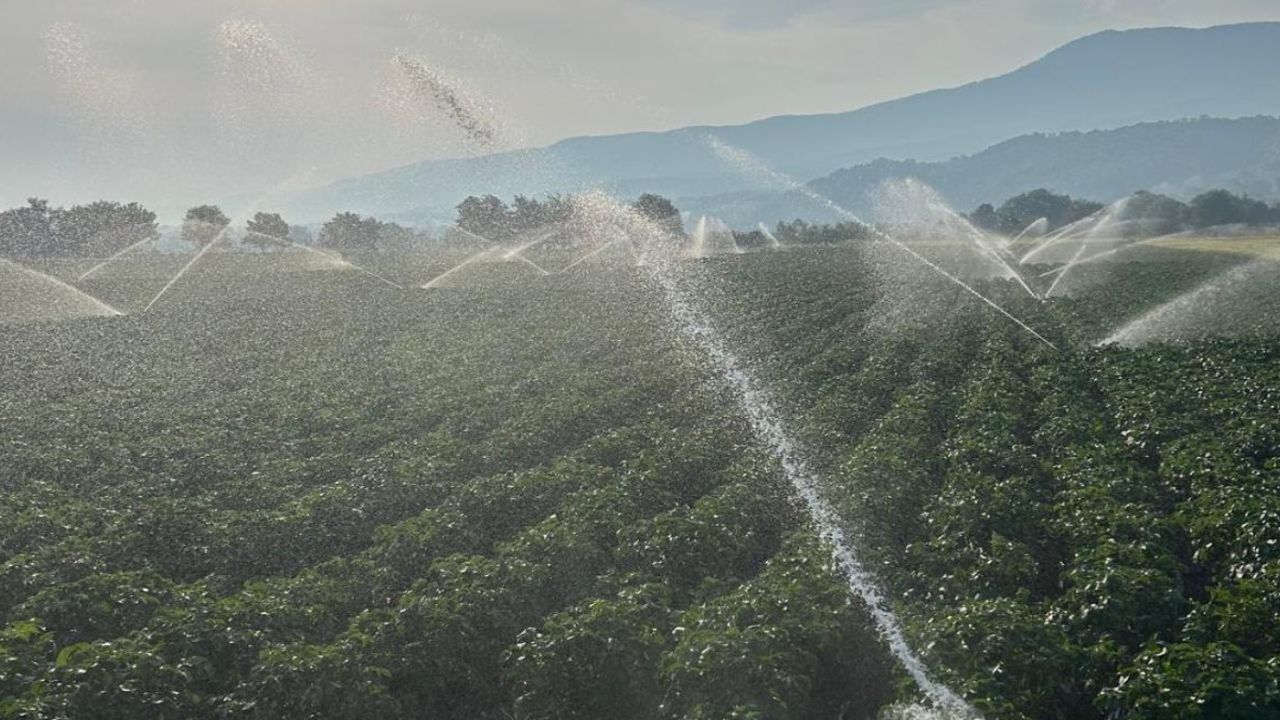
{"x": 99, "y": 228}
{"x": 204, "y": 224}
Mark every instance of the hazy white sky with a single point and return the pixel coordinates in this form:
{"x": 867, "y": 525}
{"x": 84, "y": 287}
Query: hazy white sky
{"x": 148, "y": 98}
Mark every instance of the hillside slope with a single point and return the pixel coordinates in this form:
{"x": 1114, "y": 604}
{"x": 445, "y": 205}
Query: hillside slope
{"x": 1108, "y": 80}
{"x": 1179, "y": 158}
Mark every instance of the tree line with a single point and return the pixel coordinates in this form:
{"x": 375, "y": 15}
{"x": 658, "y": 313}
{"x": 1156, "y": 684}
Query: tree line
{"x": 491, "y": 218}
{"x": 266, "y": 231}
{"x": 1151, "y": 212}
{"x": 102, "y": 227}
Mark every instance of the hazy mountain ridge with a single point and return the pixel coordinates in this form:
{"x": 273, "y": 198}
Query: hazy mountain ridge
{"x": 1107, "y": 80}
{"x": 1179, "y": 158}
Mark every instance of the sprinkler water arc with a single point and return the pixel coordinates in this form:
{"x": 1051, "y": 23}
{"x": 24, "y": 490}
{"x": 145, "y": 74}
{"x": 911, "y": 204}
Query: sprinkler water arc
{"x": 748, "y": 164}
{"x": 113, "y": 258}
{"x": 100, "y": 307}
{"x": 588, "y": 256}
{"x": 773, "y": 239}
{"x": 1066, "y": 269}
{"x": 200, "y": 254}
{"x": 335, "y": 259}
{"x": 764, "y": 418}
{"x": 435, "y": 281}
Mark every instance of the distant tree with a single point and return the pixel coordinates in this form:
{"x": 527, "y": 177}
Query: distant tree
{"x": 27, "y": 231}
{"x": 1020, "y": 211}
{"x": 349, "y": 231}
{"x": 985, "y": 217}
{"x": 301, "y": 234}
{"x": 203, "y": 225}
{"x": 1081, "y": 209}
{"x": 751, "y": 239}
{"x": 1216, "y": 207}
{"x": 1153, "y": 214}
{"x": 1222, "y": 207}
{"x": 557, "y": 209}
{"x": 526, "y": 214}
{"x": 485, "y": 216}
{"x": 799, "y": 232}
{"x": 267, "y": 230}
{"x": 492, "y": 219}
{"x": 396, "y": 237}
{"x": 1254, "y": 212}
{"x": 99, "y": 228}
{"x": 659, "y": 210}
{"x": 791, "y": 233}
{"x": 102, "y": 227}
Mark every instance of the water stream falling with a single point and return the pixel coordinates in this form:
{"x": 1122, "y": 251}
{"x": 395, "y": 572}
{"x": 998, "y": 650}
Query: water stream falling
{"x": 773, "y": 240}
{"x": 280, "y": 192}
{"x": 84, "y": 303}
{"x": 435, "y": 281}
{"x": 751, "y": 166}
{"x": 516, "y": 253}
{"x": 916, "y": 204}
{"x": 115, "y": 257}
{"x": 1105, "y": 254}
{"x": 337, "y": 261}
{"x": 700, "y": 238}
{"x": 531, "y": 264}
{"x": 1053, "y": 237}
{"x": 191, "y": 263}
{"x": 1036, "y": 229}
{"x": 589, "y": 255}
{"x": 1066, "y": 269}
{"x": 1084, "y": 229}
{"x": 765, "y": 420}
{"x": 1205, "y": 309}
{"x": 474, "y": 236}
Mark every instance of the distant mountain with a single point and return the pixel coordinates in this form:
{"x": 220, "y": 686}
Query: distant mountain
{"x": 1179, "y": 158}
{"x": 1108, "y": 80}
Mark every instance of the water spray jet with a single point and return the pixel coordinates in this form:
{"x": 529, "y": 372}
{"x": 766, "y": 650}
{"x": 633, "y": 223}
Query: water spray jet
{"x": 1065, "y": 270}
{"x": 749, "y": 164}
{"x": 588, "y": 256}
{"x": 434, "y": 282}
{"x": 1038, "y": 227}
{"x": 764, "y": 418}
{"x": 773, "y": 240}
{"x": 96, "y": 306}
{"x": 337, "y": 260}
{"x": 531, "y": 264}
{"x": 115, "y": 257}
{"x": 174, "y": 280}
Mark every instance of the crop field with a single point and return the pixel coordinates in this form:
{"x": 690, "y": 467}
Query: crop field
{"x": 295, "y": 490}
{"x": 1263, "y": 246}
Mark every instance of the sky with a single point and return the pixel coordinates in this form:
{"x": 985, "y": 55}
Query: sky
{"x": 174, "y": 101}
